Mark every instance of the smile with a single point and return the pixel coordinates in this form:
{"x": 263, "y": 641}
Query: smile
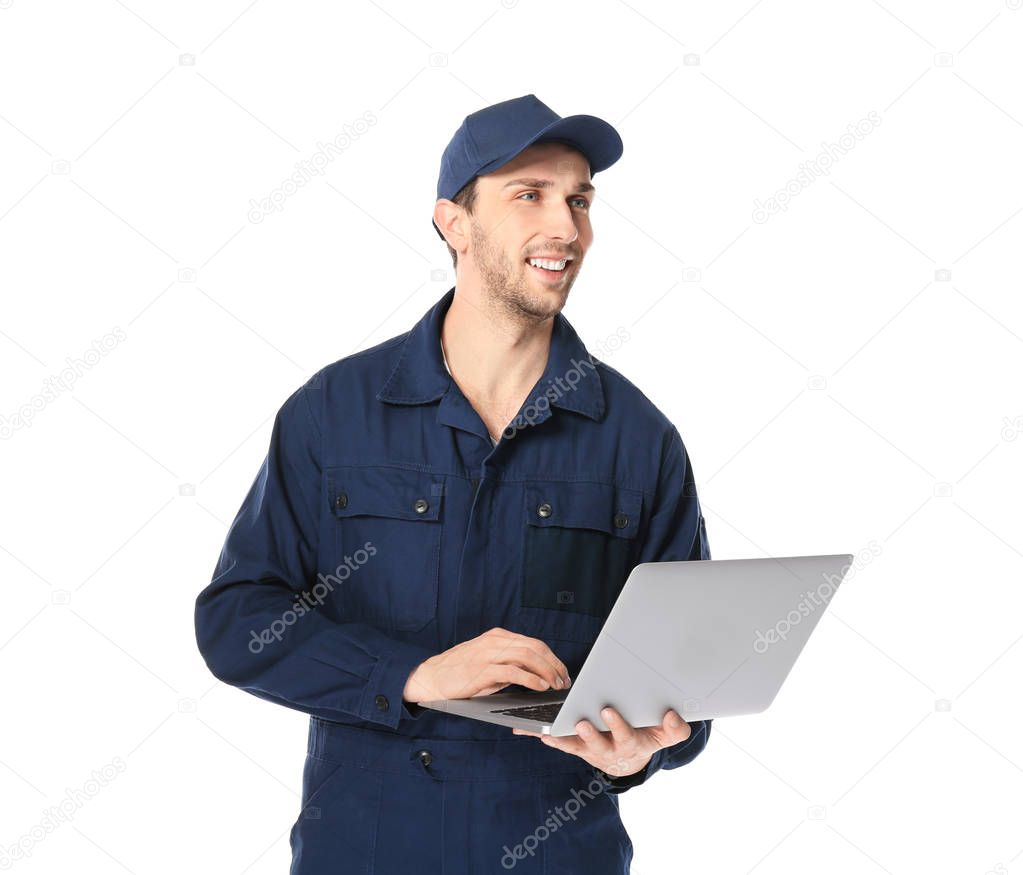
{"x": 548, "y": 269}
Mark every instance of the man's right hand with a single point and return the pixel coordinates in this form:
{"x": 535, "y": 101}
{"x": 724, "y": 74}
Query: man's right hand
{"x": 485, "y": 665}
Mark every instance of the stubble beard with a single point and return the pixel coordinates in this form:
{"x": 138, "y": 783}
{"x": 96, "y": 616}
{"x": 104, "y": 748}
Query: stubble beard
{"x": 507, "y": 287}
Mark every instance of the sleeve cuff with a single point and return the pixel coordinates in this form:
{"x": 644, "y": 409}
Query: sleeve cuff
{"x": 382, "y": 701}
{"x": 625, "y": 782}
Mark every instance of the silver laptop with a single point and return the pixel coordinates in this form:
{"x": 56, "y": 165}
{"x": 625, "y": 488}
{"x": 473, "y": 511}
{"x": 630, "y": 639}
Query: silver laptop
{"x": 709, "y": 638}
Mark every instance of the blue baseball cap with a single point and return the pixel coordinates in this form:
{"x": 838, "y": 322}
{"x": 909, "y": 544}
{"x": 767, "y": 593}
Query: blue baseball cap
{"x": 492, "y": 136}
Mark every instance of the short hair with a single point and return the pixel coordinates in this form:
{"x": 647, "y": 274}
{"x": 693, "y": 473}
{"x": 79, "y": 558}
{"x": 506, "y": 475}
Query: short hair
{"x": 466, "y": 198}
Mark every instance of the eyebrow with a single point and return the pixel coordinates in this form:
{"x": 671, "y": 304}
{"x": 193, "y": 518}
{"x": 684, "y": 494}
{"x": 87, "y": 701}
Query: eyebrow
{"x": 546, "y": 183}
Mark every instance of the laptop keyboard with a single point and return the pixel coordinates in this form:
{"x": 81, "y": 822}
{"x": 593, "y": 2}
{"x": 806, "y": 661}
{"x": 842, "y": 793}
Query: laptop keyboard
{"x": 542, "y": 713}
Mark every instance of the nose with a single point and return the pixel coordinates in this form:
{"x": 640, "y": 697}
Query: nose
{"x": 559, "y": 223}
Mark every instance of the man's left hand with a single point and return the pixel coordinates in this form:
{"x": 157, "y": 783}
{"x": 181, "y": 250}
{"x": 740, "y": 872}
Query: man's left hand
{"x": 622, "y": 751}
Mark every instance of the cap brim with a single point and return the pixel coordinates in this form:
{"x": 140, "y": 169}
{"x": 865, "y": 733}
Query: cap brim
{"x": 594, "y": 137}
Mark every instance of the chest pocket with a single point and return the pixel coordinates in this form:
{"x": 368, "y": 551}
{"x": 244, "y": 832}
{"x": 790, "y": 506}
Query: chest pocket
{"x": 388, "y": 530}
{"x": 579, "y": 544}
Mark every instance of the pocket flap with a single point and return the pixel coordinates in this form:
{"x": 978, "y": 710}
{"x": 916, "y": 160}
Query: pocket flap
{"x": 604, "y": 507}
{"x": 397, "y": 493}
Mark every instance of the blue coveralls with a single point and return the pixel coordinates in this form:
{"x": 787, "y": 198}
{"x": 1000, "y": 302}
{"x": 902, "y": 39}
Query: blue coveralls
{"x": 383, "y": 527}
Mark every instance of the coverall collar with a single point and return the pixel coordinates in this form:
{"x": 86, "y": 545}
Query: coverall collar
{"x": 570, "y": 380}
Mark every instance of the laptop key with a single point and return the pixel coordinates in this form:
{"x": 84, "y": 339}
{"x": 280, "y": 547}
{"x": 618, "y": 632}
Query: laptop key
{"x": 542, "y": 713}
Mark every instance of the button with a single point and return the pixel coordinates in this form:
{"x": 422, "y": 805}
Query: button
{"x": 425, "y": 757}
{"x": 342, "y": 500}
{"x": 421, "y": 505}
{"x": 382, "y": 703}
{"x": 621, "y": 520}
{"x": 544, "y": 510}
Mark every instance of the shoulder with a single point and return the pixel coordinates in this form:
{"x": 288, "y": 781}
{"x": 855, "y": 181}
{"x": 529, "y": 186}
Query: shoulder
{"x": 357, "y": 373}
{"x": 362, "y": 363}
{"x": 629, "y": 408}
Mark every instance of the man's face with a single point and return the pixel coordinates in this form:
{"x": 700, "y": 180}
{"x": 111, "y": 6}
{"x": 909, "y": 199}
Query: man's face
{"x": 535, "y": 206}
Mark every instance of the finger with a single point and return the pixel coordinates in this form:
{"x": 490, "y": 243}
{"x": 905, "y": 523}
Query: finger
{"x": 621, "y": 732}
{"x": 675, "y": 727}
{"x": 541, "y": 649}
{"x": 531, "y": 661}
{"x": 507, "y": 673}
{"x": 551, "y": 657}
{"x": 553, "y": 741}
{"x": 567, "y": 743}
{"x": 594, "y": 742}
{"x": 627, "y": 740}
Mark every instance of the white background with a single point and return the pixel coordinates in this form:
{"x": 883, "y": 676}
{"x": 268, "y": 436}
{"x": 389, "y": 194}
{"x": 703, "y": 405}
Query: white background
{"x": 845, "y": 375}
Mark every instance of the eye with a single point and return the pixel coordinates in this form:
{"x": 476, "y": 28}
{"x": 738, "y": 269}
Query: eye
{"x": 581, "y": 201}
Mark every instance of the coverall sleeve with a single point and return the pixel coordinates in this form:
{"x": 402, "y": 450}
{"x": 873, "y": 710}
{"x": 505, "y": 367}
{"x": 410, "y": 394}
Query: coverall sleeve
{"x": 676, "y": 531}
{"x": 258, "y": 625}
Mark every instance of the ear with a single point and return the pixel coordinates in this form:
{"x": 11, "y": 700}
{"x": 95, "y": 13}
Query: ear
{"x": 453, "y": 224}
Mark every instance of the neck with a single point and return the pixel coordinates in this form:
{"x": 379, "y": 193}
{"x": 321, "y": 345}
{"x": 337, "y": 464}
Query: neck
{"x": 491, "y": 354}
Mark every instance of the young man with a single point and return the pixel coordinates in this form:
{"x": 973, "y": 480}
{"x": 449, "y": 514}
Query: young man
{"x": 452, "y": 512}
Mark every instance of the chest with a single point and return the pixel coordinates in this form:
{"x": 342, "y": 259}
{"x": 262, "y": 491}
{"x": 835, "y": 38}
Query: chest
{"x": 436, "y": 556}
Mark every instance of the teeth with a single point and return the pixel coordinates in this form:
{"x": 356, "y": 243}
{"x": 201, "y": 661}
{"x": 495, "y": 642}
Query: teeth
{"x": 548, "y": 265}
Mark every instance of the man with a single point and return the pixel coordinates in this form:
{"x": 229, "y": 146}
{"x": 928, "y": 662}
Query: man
{"x": 451, "y": 513}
